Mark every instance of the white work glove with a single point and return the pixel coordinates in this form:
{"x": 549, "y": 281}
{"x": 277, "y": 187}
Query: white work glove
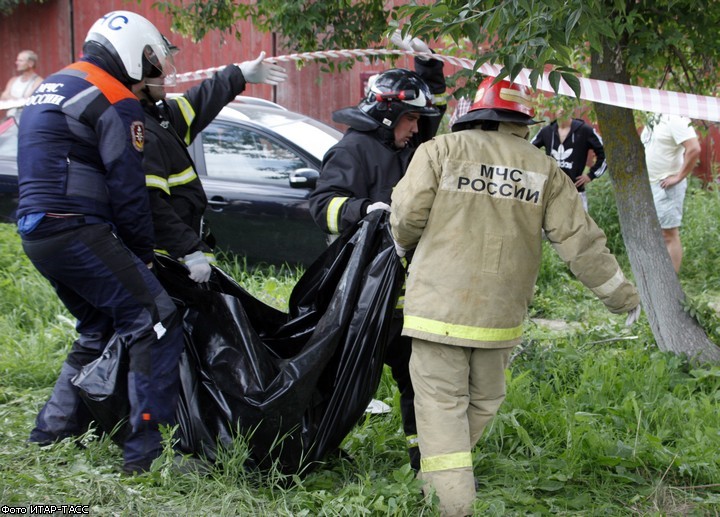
{"x": 379, "y": 205}
{"x": 632, "y": 316}
{"x": 410, "y": 43}
{"x": 258, "y": 71}
{"x": 198, "y": 265}
{"x": 399, "y": 250}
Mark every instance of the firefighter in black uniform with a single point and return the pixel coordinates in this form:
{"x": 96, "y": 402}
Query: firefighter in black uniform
{"x": 401, "y": 110}
{"x": 177, "y": 197}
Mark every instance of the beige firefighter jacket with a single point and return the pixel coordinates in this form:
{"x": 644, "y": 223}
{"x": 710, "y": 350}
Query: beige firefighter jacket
{"x": 476, "y": 203}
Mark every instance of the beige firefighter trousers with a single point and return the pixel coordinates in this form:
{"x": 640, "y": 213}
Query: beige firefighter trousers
{"x": 457, "y": 392}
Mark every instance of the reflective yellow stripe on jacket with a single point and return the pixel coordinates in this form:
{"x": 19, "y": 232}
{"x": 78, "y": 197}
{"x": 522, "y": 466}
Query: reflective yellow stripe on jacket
{"x": 441, "y": 328}
{"x": 182, "y": 178}
{"x": 333, "y": 214}
{"x": 188, "y": 114}
{"x": 152, "y": 181}
{"x": 456, "y": 460}
{"x": 174, "y": 180}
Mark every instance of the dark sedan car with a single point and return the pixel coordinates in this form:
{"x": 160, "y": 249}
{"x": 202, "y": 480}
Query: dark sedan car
{"x": 257, "y": 162}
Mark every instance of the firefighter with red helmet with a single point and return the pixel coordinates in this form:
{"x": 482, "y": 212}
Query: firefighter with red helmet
{"x": 401, "y": 110}
{"x": 473, "y": 207}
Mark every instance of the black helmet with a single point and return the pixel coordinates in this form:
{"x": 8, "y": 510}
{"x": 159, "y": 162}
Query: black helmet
{"x": 396, "y": 92}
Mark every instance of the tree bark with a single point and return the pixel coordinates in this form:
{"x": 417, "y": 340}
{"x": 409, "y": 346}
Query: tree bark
{"x": 660, "y": 291}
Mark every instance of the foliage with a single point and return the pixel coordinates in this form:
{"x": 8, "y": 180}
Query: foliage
{"x": 670, "y": 44}
{"x": 596, "y": 421}
{"x": 268, "y": 283}
{"x": 302, "y": 26}
{"x": 701, "y": 226}
{"x": 664, "y": 44}
{"x": 8, "y": 6}
{"x": 699, "y": 274}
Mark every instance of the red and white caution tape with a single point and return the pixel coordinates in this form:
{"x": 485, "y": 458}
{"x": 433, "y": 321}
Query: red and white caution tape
{"x": 700, "y": 107}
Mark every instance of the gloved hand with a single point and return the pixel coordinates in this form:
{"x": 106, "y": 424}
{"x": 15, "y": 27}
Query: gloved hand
{"x": 258, "y": 71}
{"x": 410, "y": 43}
{"x": 399, "y": 250}
{"x": 379, "y": 205}
{"x": 633, "y": 315}
{"x": 198, "y": 265}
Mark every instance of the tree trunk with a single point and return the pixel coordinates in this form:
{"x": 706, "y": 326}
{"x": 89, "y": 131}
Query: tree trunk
{"x": 660, "y": 291}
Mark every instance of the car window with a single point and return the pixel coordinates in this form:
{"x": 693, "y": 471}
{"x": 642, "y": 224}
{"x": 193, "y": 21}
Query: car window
{"x": 234, "y": 152}
{"x": 311, "y": 135}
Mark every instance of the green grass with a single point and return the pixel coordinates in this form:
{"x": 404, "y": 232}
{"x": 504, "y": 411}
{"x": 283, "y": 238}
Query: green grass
{"x": 597, "y": 421}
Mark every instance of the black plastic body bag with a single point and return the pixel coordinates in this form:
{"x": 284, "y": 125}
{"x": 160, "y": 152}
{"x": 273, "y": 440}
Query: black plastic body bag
{"x": 293, "y": 383}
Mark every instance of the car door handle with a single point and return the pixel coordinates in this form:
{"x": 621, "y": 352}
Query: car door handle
{"x": 218, "y": 202}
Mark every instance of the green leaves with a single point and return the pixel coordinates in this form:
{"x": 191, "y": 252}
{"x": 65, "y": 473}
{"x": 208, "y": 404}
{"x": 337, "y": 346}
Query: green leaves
{"x": 197, "y": 18}
{"x": 673, "y": 43}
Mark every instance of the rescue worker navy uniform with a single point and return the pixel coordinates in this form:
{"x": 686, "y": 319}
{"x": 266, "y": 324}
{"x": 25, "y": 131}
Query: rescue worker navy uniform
{"x": 361, "y": 169}
{"x": 476, "y": 203}
{"x": 571, "y": 153}
{"x": 177, "y": 198}
{"x": 85, "y": 222}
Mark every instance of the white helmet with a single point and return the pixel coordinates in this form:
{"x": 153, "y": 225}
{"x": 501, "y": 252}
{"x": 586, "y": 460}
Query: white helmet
{"x": 134, "y": 43}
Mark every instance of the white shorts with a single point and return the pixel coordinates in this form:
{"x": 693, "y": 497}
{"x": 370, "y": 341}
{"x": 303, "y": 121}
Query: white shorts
{"x": 669, "y": 204}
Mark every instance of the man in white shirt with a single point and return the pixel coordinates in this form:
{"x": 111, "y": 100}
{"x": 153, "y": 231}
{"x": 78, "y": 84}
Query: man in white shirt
{"x": 23, "y": 84}
{"x": 671, "y": 150}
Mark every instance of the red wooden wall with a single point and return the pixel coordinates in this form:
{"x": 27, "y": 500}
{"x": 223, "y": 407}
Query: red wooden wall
{"x": 56, "y": 30}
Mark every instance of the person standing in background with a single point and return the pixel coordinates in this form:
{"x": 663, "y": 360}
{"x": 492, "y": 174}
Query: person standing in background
{"x": 672, "y": 149}
{"x": 569, "y": 140}
{"x": 23, "y": 84}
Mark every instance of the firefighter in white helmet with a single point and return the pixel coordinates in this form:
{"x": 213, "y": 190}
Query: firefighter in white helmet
{"x": 85, "y": 222}
{"x": 472, "y": 207}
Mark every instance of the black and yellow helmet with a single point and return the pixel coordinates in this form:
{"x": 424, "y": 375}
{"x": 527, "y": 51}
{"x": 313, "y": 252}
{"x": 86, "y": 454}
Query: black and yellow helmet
{"x": 395, "y": 92}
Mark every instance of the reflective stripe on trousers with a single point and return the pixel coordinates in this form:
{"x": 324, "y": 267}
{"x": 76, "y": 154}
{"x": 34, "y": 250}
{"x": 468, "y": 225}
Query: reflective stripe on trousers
{"x": 457, "y": 392}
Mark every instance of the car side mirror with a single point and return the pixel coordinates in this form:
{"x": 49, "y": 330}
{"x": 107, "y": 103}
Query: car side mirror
{"x": 304, "y": 178}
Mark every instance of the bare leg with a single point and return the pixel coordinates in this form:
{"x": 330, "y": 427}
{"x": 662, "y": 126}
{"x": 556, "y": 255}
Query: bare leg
{"x": 674, "y": 246}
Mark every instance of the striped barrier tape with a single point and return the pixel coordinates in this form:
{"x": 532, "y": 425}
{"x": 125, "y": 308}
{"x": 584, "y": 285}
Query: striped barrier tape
{"x": 699, "y": 107}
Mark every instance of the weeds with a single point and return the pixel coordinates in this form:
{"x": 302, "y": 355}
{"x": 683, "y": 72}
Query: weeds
{"x": 597, "y": 421}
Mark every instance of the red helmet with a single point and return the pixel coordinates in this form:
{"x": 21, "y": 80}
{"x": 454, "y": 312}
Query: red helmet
{"x": 500, "y": 102}
{"x": 503, "y": 95}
